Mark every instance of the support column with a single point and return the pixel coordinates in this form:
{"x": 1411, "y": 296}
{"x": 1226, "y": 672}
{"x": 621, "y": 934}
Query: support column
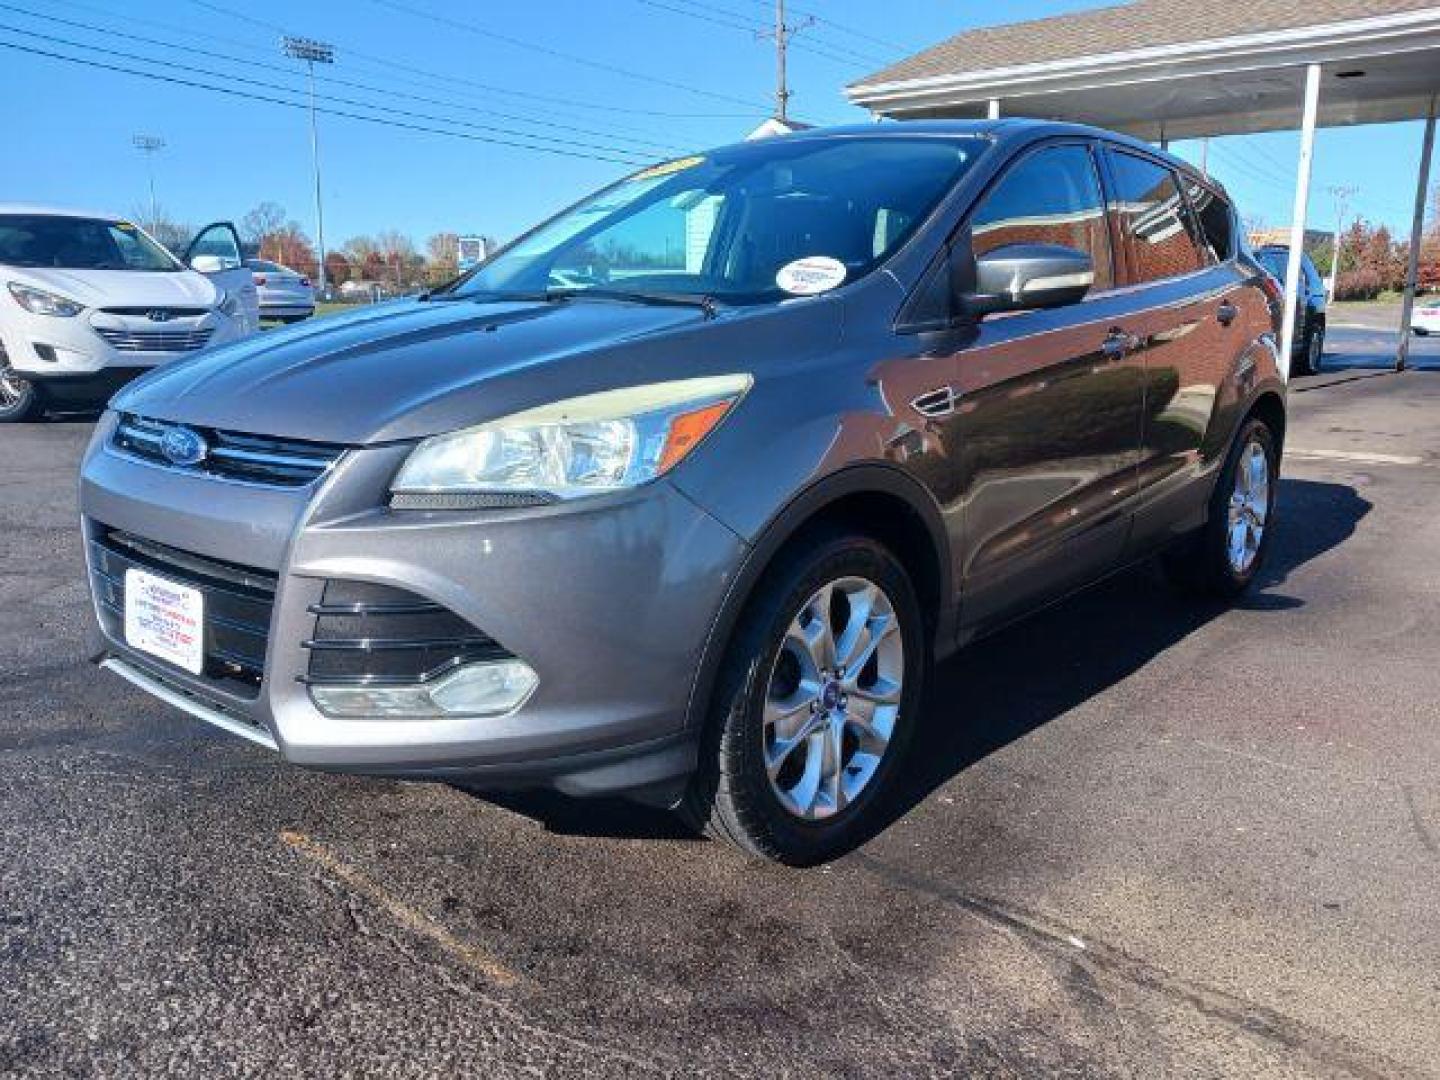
{"x": 1297, "y": 219}
{"x": 1417, "y": 225}
{"x": 992, "y": 110}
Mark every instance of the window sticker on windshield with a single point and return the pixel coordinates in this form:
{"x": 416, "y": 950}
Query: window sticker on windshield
{"x": 811, "y": 275}
{"x": 667, "y": 168}
{"x": 124, "y": 226}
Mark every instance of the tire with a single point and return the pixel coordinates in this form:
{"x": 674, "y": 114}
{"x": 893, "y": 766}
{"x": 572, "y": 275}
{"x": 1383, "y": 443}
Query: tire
{"x": 732, "y": 796}
{"x": 1213, "y": 562}
{"x": 19, "y": 398}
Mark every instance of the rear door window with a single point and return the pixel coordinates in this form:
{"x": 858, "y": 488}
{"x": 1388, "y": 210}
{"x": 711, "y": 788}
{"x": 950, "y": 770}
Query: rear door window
{"x": 1153, "y": 219}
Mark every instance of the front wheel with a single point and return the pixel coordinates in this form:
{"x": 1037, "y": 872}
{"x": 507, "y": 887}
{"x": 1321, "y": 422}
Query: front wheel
{"x": 815, "y": 702}
{"x": 19, "y": 397}
{"x": 1223, "y": 558}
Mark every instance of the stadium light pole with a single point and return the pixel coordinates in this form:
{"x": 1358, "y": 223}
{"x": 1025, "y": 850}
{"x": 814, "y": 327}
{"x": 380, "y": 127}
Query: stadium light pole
{"x": 313, "y": 52}
{"x": 149, "y": 145}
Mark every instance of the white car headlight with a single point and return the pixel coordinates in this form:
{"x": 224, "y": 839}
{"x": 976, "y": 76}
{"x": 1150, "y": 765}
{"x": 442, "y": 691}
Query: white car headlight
{"x": 582, "y": 446}
{"x": 40, "y": 302}
{"x": 229, "y": 304}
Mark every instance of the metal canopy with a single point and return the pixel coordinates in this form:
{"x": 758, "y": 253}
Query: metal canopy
{"x": 1232, "y": 86}
{"x": 1378, "y": 63}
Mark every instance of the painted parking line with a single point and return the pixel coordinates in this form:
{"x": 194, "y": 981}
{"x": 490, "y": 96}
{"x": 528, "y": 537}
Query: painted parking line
{"x": 415, "y": 921}
{"x": 1355, "y": 457}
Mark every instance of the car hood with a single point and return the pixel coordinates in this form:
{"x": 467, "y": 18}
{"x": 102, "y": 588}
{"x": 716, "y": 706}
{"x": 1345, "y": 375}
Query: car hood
{"x": 410, "y": 368}
{"x": 121, "y": 288}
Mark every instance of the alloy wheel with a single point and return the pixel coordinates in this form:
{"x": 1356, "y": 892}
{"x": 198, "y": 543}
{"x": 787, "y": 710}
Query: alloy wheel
{"x": 1249, "y": 507}
{"x": 14, "y": 390}
{"x": 833, "y": 698}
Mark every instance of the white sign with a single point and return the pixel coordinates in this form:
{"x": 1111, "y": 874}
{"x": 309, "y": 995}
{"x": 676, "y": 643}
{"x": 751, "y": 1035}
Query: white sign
{"x": 165, "y": 620}
{"x": 810, "y": 275}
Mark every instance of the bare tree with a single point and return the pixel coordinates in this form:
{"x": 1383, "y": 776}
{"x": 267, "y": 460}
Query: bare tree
{"x": 172, "y": 233}
{"x": 398, "y": 251}
{"x": 261, "y": 223}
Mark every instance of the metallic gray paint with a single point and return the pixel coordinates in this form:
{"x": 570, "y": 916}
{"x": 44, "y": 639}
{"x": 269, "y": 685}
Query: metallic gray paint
{"x": 1029, "y": 488}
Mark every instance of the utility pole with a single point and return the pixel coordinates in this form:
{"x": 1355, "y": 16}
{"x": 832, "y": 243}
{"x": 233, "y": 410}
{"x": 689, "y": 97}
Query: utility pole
{"x": 1341, "y": 193}
{"x": 149, "y": 145}
{"x": 782, "y": 34}
{"x": 313, "y": 52}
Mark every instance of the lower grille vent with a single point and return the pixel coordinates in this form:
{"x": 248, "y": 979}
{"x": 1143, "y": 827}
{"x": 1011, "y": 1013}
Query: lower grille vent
{"x": 376, "y": 634}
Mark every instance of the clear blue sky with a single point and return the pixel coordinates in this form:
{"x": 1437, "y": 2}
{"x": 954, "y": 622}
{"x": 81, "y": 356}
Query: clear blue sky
{"x": 695, "y": 81}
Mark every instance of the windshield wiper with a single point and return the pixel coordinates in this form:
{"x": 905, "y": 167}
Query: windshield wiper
{"x": 659, "y": 299}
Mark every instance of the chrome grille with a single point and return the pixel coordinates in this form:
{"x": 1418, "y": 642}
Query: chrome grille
{"x": 164, "y": 341}
{"x": 231, "y": 455}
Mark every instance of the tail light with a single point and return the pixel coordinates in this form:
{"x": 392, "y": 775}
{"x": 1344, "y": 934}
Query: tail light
{"x": 259, "y": 279}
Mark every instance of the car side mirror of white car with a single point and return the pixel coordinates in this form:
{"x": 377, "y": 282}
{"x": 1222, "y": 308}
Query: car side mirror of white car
{"x": 210, "y": 264}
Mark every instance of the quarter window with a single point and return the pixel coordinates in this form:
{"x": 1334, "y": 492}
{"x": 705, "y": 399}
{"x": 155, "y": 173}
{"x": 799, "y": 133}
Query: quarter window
{"x": 1051, "y": 197}
{"x": 1217, "y": 222}
{"x": 1153, "y": 219}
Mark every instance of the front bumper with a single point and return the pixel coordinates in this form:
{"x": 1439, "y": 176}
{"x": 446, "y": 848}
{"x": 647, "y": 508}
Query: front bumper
{"x": 44, "y": 348}
{"x": 610, "y": 601}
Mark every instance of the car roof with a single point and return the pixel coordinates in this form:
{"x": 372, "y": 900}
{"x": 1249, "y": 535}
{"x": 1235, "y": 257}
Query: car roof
{"x": 1015, "y": 131}
{"x": 42, "y": 210}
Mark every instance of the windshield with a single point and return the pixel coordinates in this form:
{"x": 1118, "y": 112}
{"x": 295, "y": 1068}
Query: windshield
{"x": 73, "y": 243}
{"x": 733, "y": 225}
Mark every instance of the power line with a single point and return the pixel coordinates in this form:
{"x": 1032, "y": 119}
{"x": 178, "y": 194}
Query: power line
{"x": 230, "y": 91}
{"x": 545, "y": 50}
{"x": 425, "y": 73}
{"x": 862, "y": 35}
{"x": 716, "y": 17}
{"x": 229, "y": 58}
{"x": 631, "y": 155}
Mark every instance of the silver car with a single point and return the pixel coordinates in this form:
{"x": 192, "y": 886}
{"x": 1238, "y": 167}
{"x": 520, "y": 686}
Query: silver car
{"x": 285, "y": 295}
{"x": 679, "y": 495}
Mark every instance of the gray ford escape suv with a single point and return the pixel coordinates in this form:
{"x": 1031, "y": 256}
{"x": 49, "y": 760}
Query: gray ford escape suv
{"x": 680, "y": 494}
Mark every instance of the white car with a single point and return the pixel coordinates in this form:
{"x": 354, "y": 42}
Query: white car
{"x": 1425, "y": 320}
{"x": 88, "y": 301}
{"x": 285, "y": 295}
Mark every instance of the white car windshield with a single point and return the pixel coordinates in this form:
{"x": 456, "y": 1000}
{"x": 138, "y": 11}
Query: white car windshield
{"x": 76, "y": 243}
{"x": 738, "y": 224}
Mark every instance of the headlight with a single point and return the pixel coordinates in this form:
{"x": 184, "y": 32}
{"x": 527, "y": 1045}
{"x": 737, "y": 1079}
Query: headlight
{"x": 229, "y": 304}
{"x": 582, "y": 446}
{"x": 40, "y": 302}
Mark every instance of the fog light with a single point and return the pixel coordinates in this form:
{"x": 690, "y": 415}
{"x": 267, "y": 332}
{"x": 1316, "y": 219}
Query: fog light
{"x": 489, "y": 689}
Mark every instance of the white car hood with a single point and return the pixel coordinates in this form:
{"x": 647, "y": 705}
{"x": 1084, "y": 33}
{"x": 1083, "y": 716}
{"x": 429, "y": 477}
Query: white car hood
{"x": 120, "y": 288}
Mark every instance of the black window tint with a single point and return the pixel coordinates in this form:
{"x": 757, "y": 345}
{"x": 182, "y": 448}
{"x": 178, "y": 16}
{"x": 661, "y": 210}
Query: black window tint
{"x": 1217, "y": 224}
{"x": 1153, "y": 218}
{"x": 1051, "y": 197}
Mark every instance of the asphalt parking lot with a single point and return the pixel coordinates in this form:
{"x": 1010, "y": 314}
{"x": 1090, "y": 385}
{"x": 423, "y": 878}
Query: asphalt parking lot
{"x": 1141, "y": 838}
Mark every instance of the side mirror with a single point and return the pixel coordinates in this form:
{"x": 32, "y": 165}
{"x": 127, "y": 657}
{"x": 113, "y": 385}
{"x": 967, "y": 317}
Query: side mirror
{"x": 208, "y": 264}
{"x": 1022, "y": 277}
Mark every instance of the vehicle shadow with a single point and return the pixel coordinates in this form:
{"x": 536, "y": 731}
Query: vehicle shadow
{"x": 994, "y": 692}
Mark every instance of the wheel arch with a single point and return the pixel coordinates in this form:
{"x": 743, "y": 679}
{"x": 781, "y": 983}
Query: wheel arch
{"x": 881, "y": 501}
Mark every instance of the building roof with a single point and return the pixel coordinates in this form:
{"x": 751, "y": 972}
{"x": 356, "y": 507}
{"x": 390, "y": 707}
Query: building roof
{"x": 1180, "y": 69}
{"x": 1126, "y": 28}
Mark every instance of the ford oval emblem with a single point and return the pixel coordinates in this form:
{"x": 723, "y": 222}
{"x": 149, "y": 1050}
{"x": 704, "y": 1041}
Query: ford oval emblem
{"x": 182, "y": 446}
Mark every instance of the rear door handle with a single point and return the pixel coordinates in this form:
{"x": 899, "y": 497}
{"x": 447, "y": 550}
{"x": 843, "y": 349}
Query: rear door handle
{"x": 1227, "y": 313}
